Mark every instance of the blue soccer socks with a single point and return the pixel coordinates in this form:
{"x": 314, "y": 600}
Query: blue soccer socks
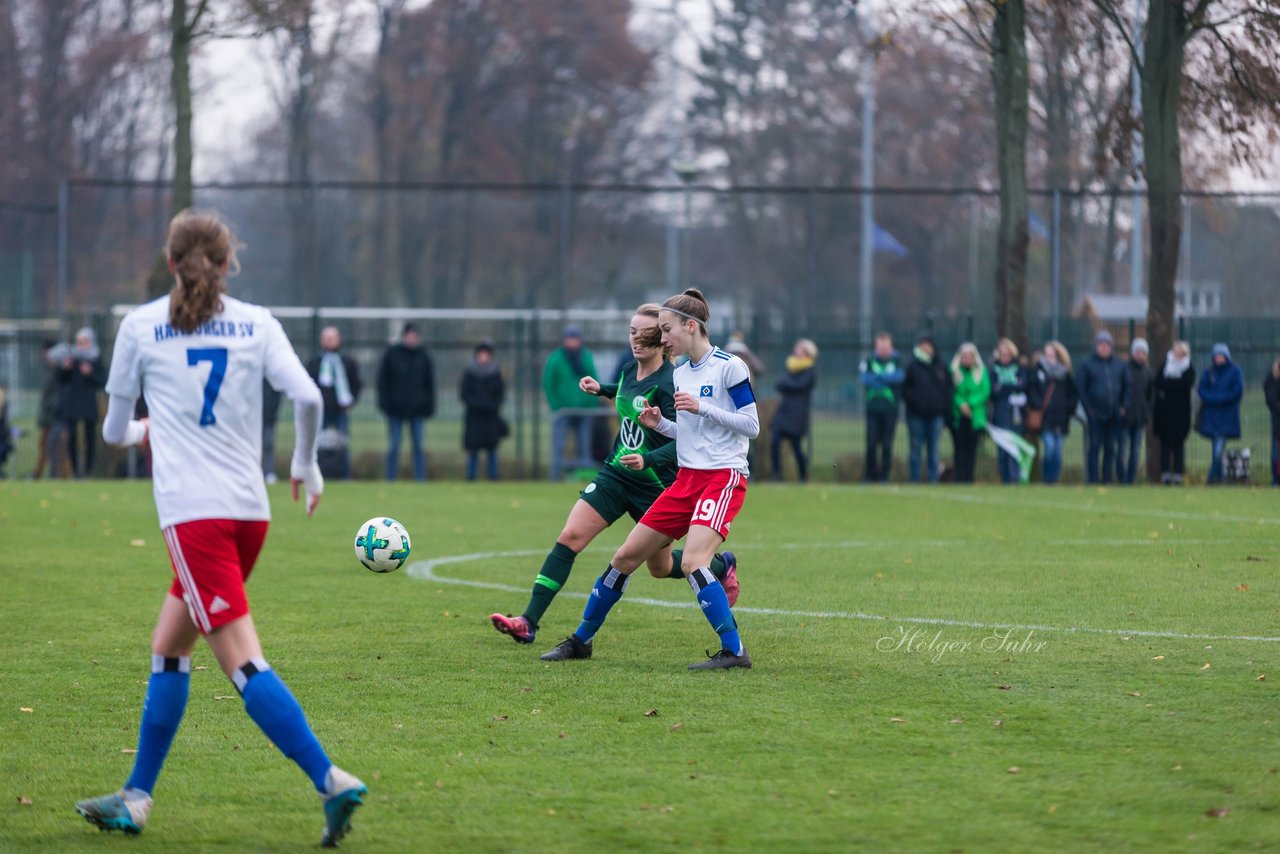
{"x": 715, "y": 607}
{"x": 277, "y": 713}
{"x": 161, "y": 714}
{"x": 605, "y": 594}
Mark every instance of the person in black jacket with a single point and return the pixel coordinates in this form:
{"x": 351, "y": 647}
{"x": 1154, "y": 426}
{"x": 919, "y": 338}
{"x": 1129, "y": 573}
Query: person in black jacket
{"x": 407, "y": 395}
{"x": 338, "y": 377}
{"x": 1171, "y": 411}
{"x": 1137, "y": 411}
{"x": 1051, "y": 392}
{"x": 926, "y": 391}
{"x": 81, "y": 376}
{"x": 1008, "y": 397}
{"x": 1271, "y": 391}
{"x": 1103, "y": 383}
{"x": 481, "y": 391}
{"x": 791, "y": 421}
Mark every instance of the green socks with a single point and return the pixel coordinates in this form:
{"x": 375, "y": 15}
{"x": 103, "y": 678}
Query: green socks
{"x": 555, "y": 572}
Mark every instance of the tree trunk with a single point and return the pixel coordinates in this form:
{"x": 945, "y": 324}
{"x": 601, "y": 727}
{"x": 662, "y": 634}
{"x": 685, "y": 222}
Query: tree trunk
{"x": 1009, "y": 73}
{"x": 1168, "y": 29}
{"x": 159, "y": 280}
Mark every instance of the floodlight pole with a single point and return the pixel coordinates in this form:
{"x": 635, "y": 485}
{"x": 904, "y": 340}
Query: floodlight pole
{"x": 687, "y": 171}
{"x": 867, "y": 248}
{"x": 1136, "y": 287}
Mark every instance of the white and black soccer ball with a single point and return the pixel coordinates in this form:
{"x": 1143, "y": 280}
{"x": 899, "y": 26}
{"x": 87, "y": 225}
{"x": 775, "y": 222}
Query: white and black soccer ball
{"x": 382, "y": 544}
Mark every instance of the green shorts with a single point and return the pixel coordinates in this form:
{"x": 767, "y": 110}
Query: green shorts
{"x": 612, "y": 495}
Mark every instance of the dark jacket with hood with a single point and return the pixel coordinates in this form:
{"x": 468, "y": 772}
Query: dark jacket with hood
{"x": 406, "y": 383}
{"x": 926, "y": 388}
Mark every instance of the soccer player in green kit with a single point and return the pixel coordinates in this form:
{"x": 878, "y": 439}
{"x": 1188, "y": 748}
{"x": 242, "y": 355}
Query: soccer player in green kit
{"x": 641, "y": 464}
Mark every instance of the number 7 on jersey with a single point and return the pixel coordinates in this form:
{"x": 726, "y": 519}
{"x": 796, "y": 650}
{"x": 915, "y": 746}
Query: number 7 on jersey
{"x": 217, "y": 357}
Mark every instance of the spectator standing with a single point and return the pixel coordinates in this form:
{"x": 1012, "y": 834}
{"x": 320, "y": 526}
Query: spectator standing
{"x": 1221, "y": 389}
{"x": 481, "y": 391}
{"x": 1137, "y": 411}
{"x": 560, "y": 375}
{"x": 968, "y": 408}
{"x": 1171, "y": 411}
{"x": 46, "y": 454}
{"x": 1103, "y": 382}
{"x": 270, "y": 415}
{"x": 338, "y": 377}
{"x": 791, "y": 421}
{"x": 882, "y": 376}
{"x": 82, "y": 375}
{"x": 407, "y": 396}
{"x": 1051, "y": 400}
{"x": 926, "y": 393}
{"x": 737, "y": 345}
{"x": 6, "y": 433}
{"x": 1008, "y": 397}
{"x": 1271, "y": 390}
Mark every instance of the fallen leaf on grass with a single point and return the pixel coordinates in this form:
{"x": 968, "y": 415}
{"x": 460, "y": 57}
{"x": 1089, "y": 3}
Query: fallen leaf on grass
{"x": 1240, "y": 588}
{"x": 956, "y": 721}
{"x": 897, "y": 720}
{"x": 667, "y": 808}
{"x": 1258, "y": 558}
{"x": 24, "y": 801}
{"x": 1005, "y": 687}
{"x": 25, "y": 709}
{"x": 551, "y": 812}
{"x": 564, "y": 735}
{"x": 225, "y": 697}
{"x": 1135, "y": 693}
{"x": 652, "y": 713}
{"x": 997, "y": 722}
{"x": 128, "y": 750}
{"x": 1217, "y": 812}
{"x": 201, "y": 667}
{"x": 1053, "y": 808}
{"x": 1205, "y": 666}
{"x": 675, "y": 727}
{"x": 1158, "y": 658}
{"x": 1262, "y": 677}
{"x": 1015, "y": 770}
{"x": 499, "y": 717}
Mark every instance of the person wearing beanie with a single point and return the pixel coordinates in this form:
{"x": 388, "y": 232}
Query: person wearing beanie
{"x": 1137, "y": 410}
{"x": 1221, "y": 389}
{"x": 1171, "y": 411}
{"x": 1103, "y": 383}
{"x": 481, "y": 391}
{"x": 561, "y": 373}
{"x": 926, "y": 392}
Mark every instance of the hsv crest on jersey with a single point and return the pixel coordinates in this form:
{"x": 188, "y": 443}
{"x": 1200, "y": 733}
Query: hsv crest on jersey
{"x": 706, "y": 391}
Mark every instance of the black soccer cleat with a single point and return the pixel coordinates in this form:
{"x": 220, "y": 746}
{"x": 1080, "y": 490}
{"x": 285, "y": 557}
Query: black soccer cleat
{"x": 569, "y": 648}
{"x": 722, "y": 658}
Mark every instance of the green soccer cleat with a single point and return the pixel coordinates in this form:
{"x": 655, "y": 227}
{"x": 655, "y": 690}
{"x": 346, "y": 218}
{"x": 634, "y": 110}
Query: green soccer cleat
{"x": 722, "y": 658}
{"x": 342, "y": 794}
{"x": 569, "y": 648}
{"x": 116, "y": 812}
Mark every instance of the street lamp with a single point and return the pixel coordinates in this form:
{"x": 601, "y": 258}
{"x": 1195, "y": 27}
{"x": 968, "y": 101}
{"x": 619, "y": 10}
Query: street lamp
{"x": 687, "y": 171}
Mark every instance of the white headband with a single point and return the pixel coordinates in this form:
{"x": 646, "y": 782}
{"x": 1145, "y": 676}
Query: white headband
{"x": 699, "y": 321}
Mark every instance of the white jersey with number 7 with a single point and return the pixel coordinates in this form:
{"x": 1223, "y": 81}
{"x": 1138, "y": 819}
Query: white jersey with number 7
{"x": 204, "y": 399}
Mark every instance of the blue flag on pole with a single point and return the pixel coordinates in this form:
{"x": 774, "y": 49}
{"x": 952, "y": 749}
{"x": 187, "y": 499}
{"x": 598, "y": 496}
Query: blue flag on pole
{"x": 883, "y": 241}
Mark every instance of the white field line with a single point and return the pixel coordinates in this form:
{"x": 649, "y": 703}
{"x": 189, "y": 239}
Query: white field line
{"x": 426, "y": 571}
{"x": 1183, "y": 515}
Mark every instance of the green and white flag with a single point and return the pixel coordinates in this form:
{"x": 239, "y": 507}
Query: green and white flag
{"x": 1021, "y": 450}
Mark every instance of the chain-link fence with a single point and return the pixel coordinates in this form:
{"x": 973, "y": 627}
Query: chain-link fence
{"x": 778, "y": 263}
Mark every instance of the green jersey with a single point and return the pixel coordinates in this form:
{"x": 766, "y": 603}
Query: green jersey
{"x": 630, "y": 396}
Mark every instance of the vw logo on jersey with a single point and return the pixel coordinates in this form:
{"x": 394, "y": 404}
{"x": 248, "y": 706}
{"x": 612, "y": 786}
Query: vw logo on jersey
{"x": 706, "y": 391}
{"x": 640, "y": 402}
{"x": 632, "y": 434}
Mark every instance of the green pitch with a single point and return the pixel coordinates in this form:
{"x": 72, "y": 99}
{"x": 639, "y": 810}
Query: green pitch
{"x": 937, "y": 669}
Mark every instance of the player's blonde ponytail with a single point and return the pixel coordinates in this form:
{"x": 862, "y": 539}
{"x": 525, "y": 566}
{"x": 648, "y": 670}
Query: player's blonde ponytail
{"x": 198, "y": 248}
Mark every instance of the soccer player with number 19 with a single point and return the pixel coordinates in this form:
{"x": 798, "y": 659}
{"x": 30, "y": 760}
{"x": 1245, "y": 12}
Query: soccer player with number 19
{"x": 715, "y": 419}
{"x": 202, "y": 357}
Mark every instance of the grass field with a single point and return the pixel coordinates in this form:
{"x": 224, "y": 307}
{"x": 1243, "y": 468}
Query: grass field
{"x": 943, "y": 669}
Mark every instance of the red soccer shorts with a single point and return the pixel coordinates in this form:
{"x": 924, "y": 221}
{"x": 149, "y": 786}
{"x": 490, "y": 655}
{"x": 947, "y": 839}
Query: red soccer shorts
{"x": 698, "y": 497}
{"x": 212, "y": 558}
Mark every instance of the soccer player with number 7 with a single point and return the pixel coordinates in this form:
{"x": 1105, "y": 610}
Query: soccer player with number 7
{"x": 715, "y": 419}
{"x": 201, "y": 357}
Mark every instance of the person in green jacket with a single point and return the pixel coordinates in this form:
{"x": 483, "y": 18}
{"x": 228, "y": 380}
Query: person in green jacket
{"x": 968, "y": 408}
{"x": 561, "y": 374}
